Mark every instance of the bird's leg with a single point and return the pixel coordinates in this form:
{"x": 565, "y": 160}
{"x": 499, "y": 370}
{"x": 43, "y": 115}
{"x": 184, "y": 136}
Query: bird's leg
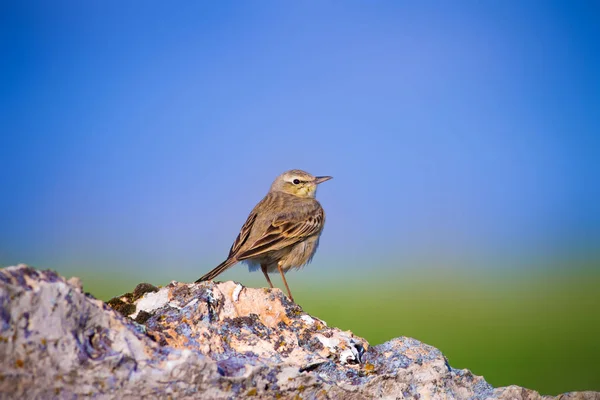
{"x": 263, "y": 267}
{"x": 284, "y": 281}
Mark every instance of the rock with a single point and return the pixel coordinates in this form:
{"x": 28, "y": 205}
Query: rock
{"x": 206, "y": 340}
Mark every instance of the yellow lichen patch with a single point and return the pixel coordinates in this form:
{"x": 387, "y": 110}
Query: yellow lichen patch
{"x": 19, "y": 363}
{"x": 251, "y": 392}
{"x": 369, "y": 367}
{"x": 279, "y": 344}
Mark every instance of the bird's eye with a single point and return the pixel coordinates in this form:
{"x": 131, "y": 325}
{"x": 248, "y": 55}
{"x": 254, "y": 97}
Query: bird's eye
{"x": 296, "y": 181}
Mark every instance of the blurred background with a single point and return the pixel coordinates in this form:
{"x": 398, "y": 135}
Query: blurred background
{"x": 463, "y": 138}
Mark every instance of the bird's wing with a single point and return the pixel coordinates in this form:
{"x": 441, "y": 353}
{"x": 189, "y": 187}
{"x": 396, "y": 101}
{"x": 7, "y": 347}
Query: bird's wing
{"x": 243, "y": 235}
{"x": 285, "y": 230}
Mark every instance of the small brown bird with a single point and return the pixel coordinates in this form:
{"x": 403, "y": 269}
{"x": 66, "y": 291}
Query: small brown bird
{"x": 282, "y": 231}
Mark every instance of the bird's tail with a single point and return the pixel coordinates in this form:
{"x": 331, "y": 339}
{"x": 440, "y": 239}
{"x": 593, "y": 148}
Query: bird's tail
{"x": 217, "y": 270}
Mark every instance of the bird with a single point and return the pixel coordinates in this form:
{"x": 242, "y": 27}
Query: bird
{"x": 282, "y": 231}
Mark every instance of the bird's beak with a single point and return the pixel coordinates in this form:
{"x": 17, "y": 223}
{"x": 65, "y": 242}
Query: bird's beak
{"x": 321, "y": 179}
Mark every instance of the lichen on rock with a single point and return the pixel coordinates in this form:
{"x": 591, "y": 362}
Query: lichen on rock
{"x": 205, "y": 340}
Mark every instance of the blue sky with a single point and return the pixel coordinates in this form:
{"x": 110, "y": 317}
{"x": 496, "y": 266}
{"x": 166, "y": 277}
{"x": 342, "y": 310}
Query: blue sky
{"x": 139, "y": 136}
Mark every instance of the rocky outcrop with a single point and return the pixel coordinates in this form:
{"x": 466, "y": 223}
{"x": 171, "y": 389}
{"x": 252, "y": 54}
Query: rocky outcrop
{"x": 205, "y": 340}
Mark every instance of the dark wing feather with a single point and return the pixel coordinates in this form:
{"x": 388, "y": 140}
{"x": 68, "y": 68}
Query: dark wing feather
{"x": 243, "y": 235}
{"x": 284, "y": 231}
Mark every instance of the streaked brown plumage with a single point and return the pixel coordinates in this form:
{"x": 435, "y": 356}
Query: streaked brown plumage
{"x": 282, "y": 231}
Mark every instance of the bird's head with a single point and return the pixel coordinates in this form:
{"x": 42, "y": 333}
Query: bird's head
{"x": 298, "y": 183}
